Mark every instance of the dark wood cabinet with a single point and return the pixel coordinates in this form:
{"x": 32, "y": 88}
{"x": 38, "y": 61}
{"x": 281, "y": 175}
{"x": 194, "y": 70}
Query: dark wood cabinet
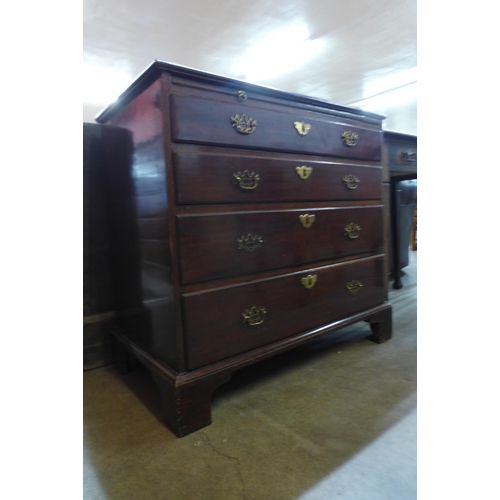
{"x": 400, "y": 156}
{"x": 98, "y": 300}
{"x": 257, "y": 226}
{"x": 400, "y": 164}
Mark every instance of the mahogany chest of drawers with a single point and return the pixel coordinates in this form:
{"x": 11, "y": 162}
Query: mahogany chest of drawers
{"x": 257, "y": 226}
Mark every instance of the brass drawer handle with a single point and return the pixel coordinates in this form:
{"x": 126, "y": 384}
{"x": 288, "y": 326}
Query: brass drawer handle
{"x": 408, "y": 156}
{"x": 309, "y": 281}
{"x": 254, "y": 316}
{"x": 250, "y": 242}
{"x": 351, "y": 181}
{"x": 349, "y": 138}
{"x": 307, "y": 220}
{"x": 246, "y": 179}
{"x": 354, "y": 286}
{"x": 352, "y": 230}
{"x": 244, "y": 124}
{"x": 302, "y": 127}
{"x": 304, "y": 172}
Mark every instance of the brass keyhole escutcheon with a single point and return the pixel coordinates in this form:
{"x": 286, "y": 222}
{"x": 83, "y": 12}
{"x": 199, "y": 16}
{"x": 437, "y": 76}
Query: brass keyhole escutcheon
{"x": 243, "y": 124}
{"x": 354, "y": 286}
{"x": 307, "y": 220}
{"x": 242, "y": 95}
{"x": 309, "y": 281}
{"x": 349, "y": 138}
{"x": 352, "y": 230}
{"x": 246, "y": 179}
{"x": 302, "y": 127}
{"x": 254, "y": 316}
{"x": 304, "y": 172}
{"x": 351, "y": 181}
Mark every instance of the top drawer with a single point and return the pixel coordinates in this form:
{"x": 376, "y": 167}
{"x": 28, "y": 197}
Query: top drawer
{"x": 209, "y": 121}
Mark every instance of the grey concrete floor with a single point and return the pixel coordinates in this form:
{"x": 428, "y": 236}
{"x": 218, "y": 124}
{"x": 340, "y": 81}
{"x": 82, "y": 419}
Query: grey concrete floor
{"x": 333, "y": 419}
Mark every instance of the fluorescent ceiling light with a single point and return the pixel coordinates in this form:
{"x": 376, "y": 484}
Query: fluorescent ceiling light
{"x": 388, "y": 99}
{"x": 396, "y": 80}
{"x": 388, "y": 92}
{"x": 103, "y": 85}
{"x": 277, "y": 54}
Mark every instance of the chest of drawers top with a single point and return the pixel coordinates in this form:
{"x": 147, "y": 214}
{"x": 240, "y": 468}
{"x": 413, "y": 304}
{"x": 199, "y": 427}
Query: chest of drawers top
{"x": 206, "y": 109}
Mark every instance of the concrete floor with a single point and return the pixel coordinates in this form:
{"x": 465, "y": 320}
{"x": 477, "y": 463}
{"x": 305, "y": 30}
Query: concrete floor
{"x": 333, "y": 419}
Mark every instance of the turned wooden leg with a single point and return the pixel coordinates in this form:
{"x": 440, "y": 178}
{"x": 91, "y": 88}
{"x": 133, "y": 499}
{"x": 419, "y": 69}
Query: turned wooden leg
{"x": 381, "y": 325}
{"x": 187, "y": 406}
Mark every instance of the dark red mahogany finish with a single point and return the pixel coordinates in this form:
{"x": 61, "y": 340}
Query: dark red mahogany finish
{"x": 274, "y": 131}
{"x": 222, "y": 273}
{"x": 218, "y": 332}
{"x": 400, "y": 163}
{"x": 208, "y": 243}
{"x": 209, "y": 178}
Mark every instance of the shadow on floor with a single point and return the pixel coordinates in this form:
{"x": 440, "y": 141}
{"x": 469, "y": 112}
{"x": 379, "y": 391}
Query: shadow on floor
{"x": 279, "y": 428}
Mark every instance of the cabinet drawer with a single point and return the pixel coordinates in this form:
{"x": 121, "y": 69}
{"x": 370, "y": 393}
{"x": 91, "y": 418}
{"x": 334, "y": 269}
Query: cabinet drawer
{"x": 208, "y": 121}
{"x": 219, "y": 245}
{"x": 219, "y": 178}
{"x": 401, "y": 153}
{"x": 221, "y": 322}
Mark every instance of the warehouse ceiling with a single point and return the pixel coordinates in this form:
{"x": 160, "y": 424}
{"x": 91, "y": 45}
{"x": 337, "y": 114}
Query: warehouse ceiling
{"x": 361, "y": 53}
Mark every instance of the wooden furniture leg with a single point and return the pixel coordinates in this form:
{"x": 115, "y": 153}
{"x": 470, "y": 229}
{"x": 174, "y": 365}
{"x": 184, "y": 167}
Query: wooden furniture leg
{"x": 186, "y": 398}
{"x": 187, "y": 405}
{"x": 381, "y": 325}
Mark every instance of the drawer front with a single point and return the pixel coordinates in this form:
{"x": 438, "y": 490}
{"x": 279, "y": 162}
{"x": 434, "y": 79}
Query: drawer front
{"x": 232, "y": 244}
{"x": 402, "y": 156}
{"x": 206, "y": 121}
{"x": 214, "y": 178}
{"x": 224, "y": 322}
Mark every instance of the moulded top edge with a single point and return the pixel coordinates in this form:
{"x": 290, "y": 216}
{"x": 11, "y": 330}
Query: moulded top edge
{"x": 157, "y": 67}
{"x": 392, "y": 134}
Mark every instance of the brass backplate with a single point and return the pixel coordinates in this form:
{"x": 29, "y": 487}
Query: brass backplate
{"x": 254, "y": 316}
{"x": 410, "y": 156}
{"x": 351, "y": 181}
{"x": 349, "y": 138}
{"x": 243, "y": 124}
{"x": 249, "y": 242}
{"x": 352, "y": 230}
{"x": 354, "y": 286}
{"x": 246, "y": 179}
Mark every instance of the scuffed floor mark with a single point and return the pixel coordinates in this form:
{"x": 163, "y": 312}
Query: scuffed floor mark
{"x": 235, "y": 460}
